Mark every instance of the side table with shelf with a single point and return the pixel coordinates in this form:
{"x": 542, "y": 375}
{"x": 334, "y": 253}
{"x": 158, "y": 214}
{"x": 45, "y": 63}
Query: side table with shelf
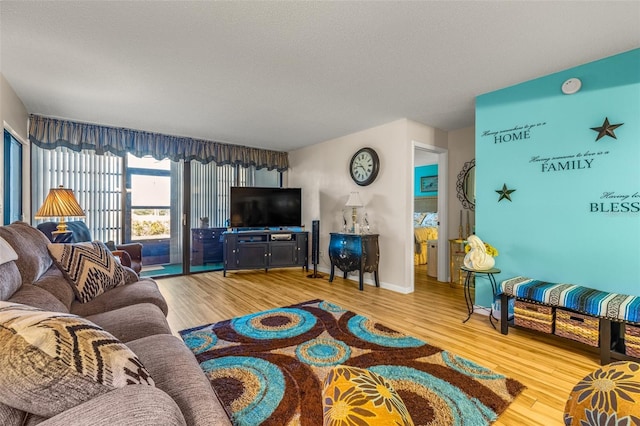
{"x": 470, "y": 274}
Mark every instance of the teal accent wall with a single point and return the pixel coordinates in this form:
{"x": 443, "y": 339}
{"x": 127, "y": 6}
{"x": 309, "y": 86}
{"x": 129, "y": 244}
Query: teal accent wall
{"x": 575, "y": 214}
{"x": 430, "y": 170}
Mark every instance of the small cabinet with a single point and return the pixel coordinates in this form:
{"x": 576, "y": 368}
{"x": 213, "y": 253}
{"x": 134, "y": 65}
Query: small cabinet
{"x": 252, "y": 256}
{"x": 282, "y": 253}
{"x": 206, "y": 245}
{"x": 264, "y": 250}
{"x": 355, "y": 252}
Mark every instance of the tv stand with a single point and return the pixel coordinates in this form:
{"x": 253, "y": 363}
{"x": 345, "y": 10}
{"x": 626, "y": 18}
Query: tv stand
{"x": 256, "y": 249}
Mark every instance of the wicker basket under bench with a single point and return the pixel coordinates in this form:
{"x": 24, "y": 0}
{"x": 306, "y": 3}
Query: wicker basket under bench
{"x": 608, "y": 321}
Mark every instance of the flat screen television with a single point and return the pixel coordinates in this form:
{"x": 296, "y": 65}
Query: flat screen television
{"x": 254, "y": 207}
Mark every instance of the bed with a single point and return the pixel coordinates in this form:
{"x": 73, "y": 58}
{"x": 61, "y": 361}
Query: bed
{"x": 425, "y": 226}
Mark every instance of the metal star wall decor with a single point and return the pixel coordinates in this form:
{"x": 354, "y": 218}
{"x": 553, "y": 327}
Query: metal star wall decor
{"x": 505, "y": 193}
{"x": 606, "y": 129}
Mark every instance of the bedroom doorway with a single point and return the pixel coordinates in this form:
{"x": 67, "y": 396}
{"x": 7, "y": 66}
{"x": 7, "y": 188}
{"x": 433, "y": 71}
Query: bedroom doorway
{"x": 429, "y": 213}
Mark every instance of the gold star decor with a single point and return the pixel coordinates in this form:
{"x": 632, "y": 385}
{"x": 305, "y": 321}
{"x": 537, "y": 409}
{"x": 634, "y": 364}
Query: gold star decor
{"x": 505, "y": 193}
{"x": 606, "y": 129}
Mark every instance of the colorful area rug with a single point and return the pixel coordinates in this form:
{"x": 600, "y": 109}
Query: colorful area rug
{"x": 269, "y": 367}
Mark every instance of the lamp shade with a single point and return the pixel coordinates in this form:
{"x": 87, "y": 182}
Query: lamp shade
{"x": 60, "y": 202}
{"x": 354, "y": 200}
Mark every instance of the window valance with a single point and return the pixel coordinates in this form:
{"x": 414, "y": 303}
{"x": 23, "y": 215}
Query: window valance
{"x": 49, "y": 133}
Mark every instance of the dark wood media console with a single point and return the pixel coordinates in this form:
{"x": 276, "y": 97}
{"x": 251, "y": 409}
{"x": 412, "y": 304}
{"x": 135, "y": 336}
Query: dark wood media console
{"x": 265, "y": 250}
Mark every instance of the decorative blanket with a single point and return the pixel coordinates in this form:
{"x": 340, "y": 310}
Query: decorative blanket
{"x": 617, "y": 307}
{"x": 268, "y": 368}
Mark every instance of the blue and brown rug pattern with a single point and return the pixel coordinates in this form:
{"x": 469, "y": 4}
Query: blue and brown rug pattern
{"x": 269, "y": 367}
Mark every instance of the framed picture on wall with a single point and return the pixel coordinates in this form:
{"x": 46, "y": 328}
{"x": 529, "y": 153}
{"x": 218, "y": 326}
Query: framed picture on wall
{"x": 428, "y": 183}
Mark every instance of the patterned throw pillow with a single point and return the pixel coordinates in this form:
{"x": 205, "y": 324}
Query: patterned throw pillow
{"x": 90, "y": 268}
{"x": 608, "y": 396}
{"x": 354, "y": 396}
{"x": 51, "y": 362}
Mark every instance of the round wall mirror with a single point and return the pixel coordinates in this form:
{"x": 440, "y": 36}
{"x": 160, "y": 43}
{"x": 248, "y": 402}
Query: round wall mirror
{"x": 466, "y": 185}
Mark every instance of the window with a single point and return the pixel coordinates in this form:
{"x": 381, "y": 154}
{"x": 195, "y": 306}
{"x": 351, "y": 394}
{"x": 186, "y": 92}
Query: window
{"x": 141, "y": 199}
{"x": 96, "y": 181}
{"x": 149, "y": 186}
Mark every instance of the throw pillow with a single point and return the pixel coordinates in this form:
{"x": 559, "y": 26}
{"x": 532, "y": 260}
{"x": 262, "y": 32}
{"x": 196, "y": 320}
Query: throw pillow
{"x": 90, "y": 268}
{"x": 609, "y": 395}
{"x": 7, "y": 253}
{"x": 356, "y": 396}
{"x": 51, "y": 361}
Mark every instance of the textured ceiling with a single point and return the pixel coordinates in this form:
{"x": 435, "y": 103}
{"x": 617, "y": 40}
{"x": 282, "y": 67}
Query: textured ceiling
{"x": 283, "y": 75}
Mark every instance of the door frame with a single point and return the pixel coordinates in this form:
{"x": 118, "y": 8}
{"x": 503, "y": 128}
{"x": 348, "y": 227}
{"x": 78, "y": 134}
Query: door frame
{"x": 443, "y": 195}
{"x": 10, "y": 139}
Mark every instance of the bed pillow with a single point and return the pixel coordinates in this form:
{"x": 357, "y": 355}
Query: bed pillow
{"x": 52, "y": 361}
{"x": 418, "y": 218}
{"x": 361, "y": 397}
{"x": 90, "y": 268}
{"x": 430, "y": 220}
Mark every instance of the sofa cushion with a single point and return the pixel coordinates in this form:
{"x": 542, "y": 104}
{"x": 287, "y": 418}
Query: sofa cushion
{"x": 10, "y": 416}
{"x": 361, "y": 397}
{"x": 39, "y": 298}
{"x": 132, "y": 322}
{"x": 90, "y": 268}
{"x": 51, "y": 362}
{"x": 176, "y": 371}
{"x": 136, "y": 405}
{"x": 31, "y": 246}
{"x": 10, "y": 280}
{"x": 55, "y": 283}
{"x": 143, "y": 291}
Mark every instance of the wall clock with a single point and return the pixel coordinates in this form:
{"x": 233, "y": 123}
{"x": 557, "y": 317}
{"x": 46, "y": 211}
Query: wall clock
{"x": 364, "y": 166}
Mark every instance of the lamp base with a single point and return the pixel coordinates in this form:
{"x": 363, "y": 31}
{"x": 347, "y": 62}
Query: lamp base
{"x": 61, "y": 228}
{"x": 61, "y": 231}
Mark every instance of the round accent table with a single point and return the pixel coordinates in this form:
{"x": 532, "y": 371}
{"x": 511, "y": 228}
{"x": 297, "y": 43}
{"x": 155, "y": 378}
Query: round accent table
{"x": 467, "y": 289}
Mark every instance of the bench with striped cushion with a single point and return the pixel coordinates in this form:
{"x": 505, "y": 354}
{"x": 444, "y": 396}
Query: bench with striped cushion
{"x": 597, "y": 303}
{"x": 610, "y": 308}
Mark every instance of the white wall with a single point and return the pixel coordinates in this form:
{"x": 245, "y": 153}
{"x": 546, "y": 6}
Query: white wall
{"x": 461, "y": 144}
{"x": 322, "y": 171}
{"x": 14, "y": 117}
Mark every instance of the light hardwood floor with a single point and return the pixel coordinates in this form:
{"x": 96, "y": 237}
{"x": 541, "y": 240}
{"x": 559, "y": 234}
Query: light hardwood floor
{"x": 546, "y": 365}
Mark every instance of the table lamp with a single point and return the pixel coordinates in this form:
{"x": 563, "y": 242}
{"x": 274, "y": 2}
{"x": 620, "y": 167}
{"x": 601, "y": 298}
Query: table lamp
{"x": 354, "y": 202}
{"x": 61, "y": 203}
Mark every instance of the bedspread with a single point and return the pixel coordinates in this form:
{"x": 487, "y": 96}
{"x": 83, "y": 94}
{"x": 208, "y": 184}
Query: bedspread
{"x": 421, "y": 236}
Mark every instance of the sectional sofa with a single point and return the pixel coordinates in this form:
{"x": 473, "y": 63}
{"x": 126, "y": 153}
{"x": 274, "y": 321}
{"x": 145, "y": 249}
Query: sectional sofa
{"x": 56, "y": 350}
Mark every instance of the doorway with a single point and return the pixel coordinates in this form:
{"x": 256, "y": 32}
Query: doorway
{"x": 12, "y": 179}
{"x": 430, "y": 193}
